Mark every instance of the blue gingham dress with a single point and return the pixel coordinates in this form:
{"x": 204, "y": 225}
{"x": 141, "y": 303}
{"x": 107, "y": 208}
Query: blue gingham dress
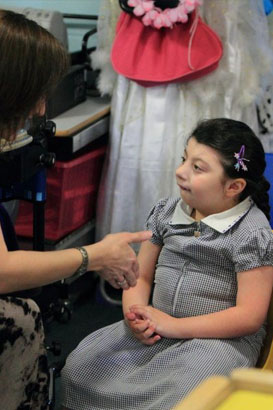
{"x": 110, "y": 369}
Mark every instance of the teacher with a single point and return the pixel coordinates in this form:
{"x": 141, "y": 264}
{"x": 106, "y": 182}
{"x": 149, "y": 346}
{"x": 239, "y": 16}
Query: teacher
{"x": 31, "y": 65}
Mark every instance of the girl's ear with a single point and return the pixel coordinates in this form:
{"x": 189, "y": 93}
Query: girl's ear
{"x": 235, "y": 187}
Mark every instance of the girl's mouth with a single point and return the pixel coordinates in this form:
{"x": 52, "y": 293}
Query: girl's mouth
{"x": 184, "y": 188}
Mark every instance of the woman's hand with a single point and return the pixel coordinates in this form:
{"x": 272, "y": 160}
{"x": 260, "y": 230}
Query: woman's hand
{"x": 115, "y": 260}
{"x": 143, "y": 330}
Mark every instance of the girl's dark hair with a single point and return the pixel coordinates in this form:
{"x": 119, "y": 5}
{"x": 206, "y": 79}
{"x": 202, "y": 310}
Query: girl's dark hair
{"x": 32, "y": 63}
{"x": 227, "y": 136}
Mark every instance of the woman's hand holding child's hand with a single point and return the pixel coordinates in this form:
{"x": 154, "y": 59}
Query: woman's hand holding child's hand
{"x": 143, "y": 329}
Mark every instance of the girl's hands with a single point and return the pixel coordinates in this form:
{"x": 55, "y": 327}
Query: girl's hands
{"x": 143, "y": 329}
{"x": 160, "y": 321}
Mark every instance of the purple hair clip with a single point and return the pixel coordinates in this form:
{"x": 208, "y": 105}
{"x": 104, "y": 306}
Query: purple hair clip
{"x": 240, "y": 159}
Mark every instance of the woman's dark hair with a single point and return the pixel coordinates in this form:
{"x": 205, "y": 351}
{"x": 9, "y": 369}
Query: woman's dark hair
{"x": 227, "y": 136}
{"x": 31, "y": 65}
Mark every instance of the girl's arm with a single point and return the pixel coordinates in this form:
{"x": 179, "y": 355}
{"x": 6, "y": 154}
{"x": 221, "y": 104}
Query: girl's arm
{"x": 140, "y": 294}
{"x": 141, "y": 328}
{"x": 253, "y": 298}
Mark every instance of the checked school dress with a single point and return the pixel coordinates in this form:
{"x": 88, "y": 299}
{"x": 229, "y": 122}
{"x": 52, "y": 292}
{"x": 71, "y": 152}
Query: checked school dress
{"x": 195, "y": 275}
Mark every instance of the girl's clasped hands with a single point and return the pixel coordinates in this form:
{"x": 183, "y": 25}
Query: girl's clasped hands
{"x": 147, "y": 323}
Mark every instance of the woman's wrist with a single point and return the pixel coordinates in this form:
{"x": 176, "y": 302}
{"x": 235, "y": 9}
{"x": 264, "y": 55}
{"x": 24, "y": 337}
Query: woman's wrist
{"x": 97, "y": 256}
{"x": 82, "y": 269}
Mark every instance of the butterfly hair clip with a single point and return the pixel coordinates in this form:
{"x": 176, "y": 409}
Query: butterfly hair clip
{"x": 240, "y": 159}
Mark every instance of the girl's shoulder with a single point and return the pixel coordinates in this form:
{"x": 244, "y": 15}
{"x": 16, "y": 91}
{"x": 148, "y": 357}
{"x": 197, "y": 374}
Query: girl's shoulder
{"x": 165, "y": 207}
{"x": 253, "y": 234}
{"x": 252, "y": 241}
{"x": 255, "y": 221}
{"x": 161, "y": 214}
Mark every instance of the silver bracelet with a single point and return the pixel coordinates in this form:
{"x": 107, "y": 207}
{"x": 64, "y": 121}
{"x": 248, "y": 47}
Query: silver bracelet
{"x": 84, "y": 265}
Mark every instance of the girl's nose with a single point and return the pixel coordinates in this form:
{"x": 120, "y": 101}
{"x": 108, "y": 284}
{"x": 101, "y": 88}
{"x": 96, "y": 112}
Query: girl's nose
{"x": 180, "y": 171}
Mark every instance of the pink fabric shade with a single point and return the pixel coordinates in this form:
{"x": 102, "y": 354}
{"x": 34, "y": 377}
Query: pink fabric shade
{"x": 151, "y": 57}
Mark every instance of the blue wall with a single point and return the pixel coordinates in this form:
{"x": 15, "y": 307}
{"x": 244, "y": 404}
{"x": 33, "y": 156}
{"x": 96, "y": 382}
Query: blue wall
{"x": 76, "y": 28}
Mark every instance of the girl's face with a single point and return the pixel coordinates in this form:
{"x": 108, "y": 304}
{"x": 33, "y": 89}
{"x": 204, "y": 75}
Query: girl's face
{"x": 202, "y": 181}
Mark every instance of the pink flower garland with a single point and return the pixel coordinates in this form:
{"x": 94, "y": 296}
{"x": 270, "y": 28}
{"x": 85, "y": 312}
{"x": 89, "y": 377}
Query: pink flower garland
{"x": 157, "y": 18}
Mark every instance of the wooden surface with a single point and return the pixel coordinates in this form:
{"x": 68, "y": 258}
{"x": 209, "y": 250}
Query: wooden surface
{"x": 244, "y": 389}
{"x": 247, "y": 400}
{"x": 81, "y": 116}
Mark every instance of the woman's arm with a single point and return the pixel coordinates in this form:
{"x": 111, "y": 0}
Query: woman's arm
{"x": 253, "y": 298}
{"x": 140, "y": 294}
{"x": 113, "y": 256}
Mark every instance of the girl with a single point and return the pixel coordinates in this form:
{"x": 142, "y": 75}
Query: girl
{"x": 210, "y": 259}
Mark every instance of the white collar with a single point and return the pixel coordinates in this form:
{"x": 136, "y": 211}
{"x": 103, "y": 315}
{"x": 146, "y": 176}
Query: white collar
{"x": 221, "y": 222}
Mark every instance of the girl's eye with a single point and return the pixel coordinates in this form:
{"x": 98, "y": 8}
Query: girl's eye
{"x": 183, "y": 159}
{"x": 197, "y": 168}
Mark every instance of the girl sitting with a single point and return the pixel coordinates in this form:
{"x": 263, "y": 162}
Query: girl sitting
{"x": 210, "y": 260}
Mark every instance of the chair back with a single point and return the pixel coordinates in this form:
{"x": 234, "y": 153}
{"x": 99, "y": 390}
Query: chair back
{"x": 265, "y": 360}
